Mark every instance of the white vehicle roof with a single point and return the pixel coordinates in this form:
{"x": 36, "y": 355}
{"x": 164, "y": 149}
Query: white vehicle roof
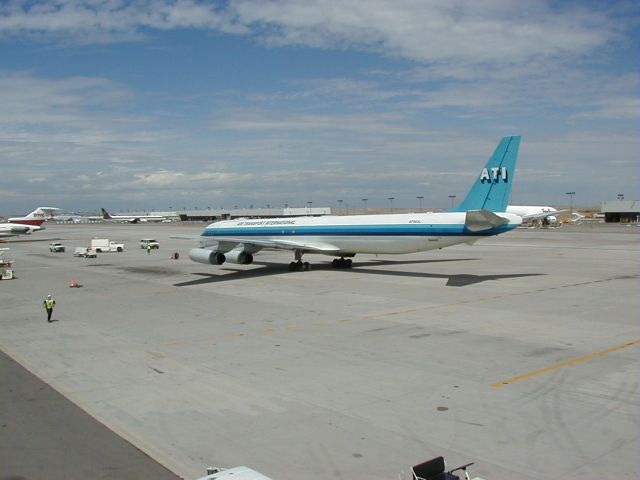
{"x": 237, "y": 473}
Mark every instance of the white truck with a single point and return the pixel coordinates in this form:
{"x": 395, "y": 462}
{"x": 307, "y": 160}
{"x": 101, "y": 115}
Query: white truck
{"x": 105, "y": 245}
{"x": 56, "y": 247}
{"x": 149, "y": 242}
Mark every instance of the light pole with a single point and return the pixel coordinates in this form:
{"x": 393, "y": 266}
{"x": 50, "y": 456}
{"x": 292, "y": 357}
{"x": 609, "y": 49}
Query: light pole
{"x": 452, "y": 197}
{"x": 391, "y": 199}
{"x": 420, "y": 202}
{"x": 571, "y": 194}
{"x": 340, "y": 205}
{"x": 309, "y": 206}
{"x": 364, "y": 202}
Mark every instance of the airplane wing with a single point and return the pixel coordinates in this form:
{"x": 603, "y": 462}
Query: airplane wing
{"x": 275, "y": 244}
{"x": 540, "y": 216}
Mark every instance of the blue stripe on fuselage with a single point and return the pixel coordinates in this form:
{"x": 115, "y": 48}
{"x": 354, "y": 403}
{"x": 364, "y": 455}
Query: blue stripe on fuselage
{"x": 353, "y": 230}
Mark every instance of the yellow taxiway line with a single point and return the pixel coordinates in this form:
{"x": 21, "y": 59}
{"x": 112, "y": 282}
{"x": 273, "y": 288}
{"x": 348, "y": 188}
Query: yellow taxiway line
{"x": 566, "y": 363}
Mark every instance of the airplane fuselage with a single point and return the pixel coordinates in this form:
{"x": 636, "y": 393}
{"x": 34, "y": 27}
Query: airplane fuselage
{"x": 531, "y": 210}
{"x": 384, "y": 234}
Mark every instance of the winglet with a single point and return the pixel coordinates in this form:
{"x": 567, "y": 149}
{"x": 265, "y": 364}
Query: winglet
{"x": 492, "y": 188}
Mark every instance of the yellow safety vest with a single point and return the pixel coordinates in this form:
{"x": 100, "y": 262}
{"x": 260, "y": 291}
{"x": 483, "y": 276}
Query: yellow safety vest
{"x": 49, "y": 303}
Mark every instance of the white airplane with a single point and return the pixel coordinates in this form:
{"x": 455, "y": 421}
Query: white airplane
{"x": 27, "y": 224}
{"x": 132, "y": 218}
{"x": 15, "y": 229}
{"x": 531, "y": 213}
{"x": 481, "y": 214}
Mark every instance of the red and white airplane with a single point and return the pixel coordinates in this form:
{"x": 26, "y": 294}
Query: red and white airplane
{"x": 27, "y": 224}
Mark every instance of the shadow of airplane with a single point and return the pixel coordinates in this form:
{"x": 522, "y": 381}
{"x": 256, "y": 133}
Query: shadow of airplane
{"x": 32, "y": 240}
{"x": 269, "y": 268}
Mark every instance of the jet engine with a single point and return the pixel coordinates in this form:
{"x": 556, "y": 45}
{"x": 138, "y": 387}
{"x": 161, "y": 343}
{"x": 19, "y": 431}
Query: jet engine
{"x": 203, "y": 255}
{"x": 212, "y": 257}
{"x": 239, "y": 256}
{"x": 550, "y": 220}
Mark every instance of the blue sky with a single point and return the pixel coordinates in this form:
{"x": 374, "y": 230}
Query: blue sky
{"x": 157, "y": 104}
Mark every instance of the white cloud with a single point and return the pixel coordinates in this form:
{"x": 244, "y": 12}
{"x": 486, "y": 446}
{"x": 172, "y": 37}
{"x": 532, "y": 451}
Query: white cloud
{"x": 380, "y": 124}
{"x": 614, "y": 108}
{"x": 501, "y": 32}
{"x": 28, "y": 101}
{"x": 165, "y": 178}
{"x": 432, "y": 31}
{"x": 105, "y": 21}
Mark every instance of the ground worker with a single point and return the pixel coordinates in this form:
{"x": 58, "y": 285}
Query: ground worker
{"x": 48, "y": 305}
{"x": 148, "y": 249}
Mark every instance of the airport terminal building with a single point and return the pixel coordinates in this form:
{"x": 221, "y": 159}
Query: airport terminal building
{"x": 621, "y": 211}
{"x": 211, "y": 215}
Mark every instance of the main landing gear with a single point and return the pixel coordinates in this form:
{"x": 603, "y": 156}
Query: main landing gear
{"x": 341, "y": 262}
{"x": 298, "y": 265}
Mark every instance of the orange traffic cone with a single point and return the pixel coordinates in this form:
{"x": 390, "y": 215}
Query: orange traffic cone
{"x": 73, "y": 283}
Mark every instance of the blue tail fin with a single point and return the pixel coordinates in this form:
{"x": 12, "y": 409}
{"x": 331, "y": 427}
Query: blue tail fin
{"x": 493, "y": 186}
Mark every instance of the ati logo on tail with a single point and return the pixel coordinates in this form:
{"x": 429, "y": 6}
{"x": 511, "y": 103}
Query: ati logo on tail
{"x": 494, "y": 174}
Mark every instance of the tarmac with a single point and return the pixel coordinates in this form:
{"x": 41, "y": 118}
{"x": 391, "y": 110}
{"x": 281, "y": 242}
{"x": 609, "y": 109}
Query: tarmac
{"x": 519, "y": 353}
{"x": 44, "y": 435}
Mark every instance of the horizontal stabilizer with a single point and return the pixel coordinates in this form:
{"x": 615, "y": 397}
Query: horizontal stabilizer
{"x": 478, "y": 220}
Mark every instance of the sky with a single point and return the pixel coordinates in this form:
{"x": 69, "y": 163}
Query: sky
{"x": 157, "y": 104}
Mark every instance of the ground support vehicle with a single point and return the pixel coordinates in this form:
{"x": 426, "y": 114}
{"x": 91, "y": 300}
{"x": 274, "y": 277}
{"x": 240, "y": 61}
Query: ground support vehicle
{"x": 6, "y": 265}
{"x": 84, "y": 252}
{"x": 56, "y": 247}
{"x": 149, "y": 242}
{"x": 105, "y": 245}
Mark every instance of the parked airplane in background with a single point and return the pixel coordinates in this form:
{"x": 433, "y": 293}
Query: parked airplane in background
{"x": 531, "y": 213}
{"x": 132, "y": 218}
{"x": 237, "y": 240}
{"x": 37, "y": 217}
{"x": 27, "y": 224}
{"x": 71, "y": 217}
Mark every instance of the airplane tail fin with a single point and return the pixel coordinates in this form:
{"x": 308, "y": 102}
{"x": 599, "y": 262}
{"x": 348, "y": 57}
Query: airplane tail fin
{"x": 43, "y": 212}
{"x": 36, "y": 213}
{"x": 36, "y": 218}
{"x": 492, "y": 188}
{"x": 105, "y": 214}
